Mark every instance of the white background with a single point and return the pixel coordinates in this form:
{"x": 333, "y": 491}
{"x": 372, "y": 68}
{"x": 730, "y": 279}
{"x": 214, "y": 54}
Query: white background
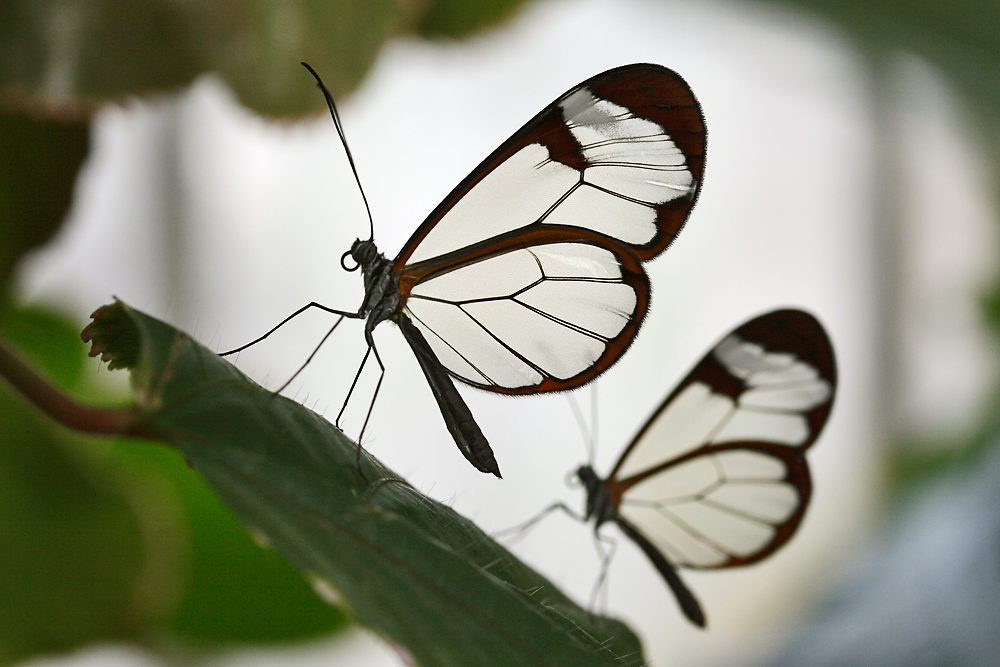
{"x": 254, "y": 216}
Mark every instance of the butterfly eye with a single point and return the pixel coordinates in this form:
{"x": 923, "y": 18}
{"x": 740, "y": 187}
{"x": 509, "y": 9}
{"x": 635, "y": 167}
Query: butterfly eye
{"x": 343, "y": 262}
{"x": 573, "y": 480}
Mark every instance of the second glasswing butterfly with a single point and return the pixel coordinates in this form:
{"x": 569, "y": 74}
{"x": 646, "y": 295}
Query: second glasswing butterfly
{"x": 717, "y": 476}
{"x": 528, "y": 277}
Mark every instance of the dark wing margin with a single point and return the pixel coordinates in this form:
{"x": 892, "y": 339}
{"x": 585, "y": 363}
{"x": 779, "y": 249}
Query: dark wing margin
{"x": 723, "y": 506}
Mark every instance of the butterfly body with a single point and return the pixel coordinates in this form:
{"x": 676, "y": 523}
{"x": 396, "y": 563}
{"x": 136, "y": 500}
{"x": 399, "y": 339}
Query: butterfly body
{"x": 382, "y": 298}
{"x": 384, "y": 301}
{"x": 599, "y": 505}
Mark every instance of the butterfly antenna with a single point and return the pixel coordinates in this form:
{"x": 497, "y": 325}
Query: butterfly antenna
{"x": 592, "y": 453}
{"x": 347, "y": 149}
{"x": 581, "y": 423}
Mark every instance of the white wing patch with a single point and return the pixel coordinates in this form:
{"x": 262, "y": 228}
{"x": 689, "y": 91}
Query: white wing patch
{"x": 715, "y": 506}
{"x": 628, "y": 158}
{"x": 514, "y": 319}
{"x": 780, "y": 390}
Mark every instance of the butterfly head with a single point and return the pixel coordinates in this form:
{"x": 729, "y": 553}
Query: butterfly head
{"x": 598, "y": 501}
{"x": 364, "y": 254}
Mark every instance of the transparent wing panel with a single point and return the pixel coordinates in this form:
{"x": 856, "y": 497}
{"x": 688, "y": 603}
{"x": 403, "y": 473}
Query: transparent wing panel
{"x": 685, "y": 423}
{"x": 717, "y": 507}
{"x": 742, "y": 391}
{"x": 515, "y": 194}
{"x": 549, "y": 311}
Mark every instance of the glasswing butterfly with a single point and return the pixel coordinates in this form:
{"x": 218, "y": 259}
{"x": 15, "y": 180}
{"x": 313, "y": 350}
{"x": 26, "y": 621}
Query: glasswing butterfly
{"x": 528, "y": 277}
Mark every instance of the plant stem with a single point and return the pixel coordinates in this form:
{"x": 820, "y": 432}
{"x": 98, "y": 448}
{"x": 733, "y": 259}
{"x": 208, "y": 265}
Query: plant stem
{"x": 58, "y": 405}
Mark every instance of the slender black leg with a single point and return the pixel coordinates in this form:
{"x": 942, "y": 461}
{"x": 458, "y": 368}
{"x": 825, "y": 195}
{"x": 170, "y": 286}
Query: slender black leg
{"x": 310, "y": 358}
{"x": 606, "y": 555}
{"x": 350, "y": 392}
{"x": 518, "y": 531}
{"x": 371, "y": 406}
{"x": 342, "y": 313}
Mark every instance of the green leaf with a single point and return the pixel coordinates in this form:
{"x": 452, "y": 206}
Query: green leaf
{"x": 109, "y": 49}
{"x": 119, "y": 540}
{"x": 69, "y": 551}
{"x": 458, "y": 18}
{"x": 961, "y": 37}
{"x": 40, "y": 153}
{"x": 410, "y": 568}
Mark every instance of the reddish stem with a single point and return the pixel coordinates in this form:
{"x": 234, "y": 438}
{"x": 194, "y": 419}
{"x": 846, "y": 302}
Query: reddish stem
{"x": 56, "y": 404}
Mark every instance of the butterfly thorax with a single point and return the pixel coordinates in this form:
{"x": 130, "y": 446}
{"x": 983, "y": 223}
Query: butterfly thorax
{"x": 382, "y": 297}
{"x": 599, "y": 505}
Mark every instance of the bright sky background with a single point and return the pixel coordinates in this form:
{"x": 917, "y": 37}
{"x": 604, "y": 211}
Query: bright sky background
{"x": 255, "y": 216}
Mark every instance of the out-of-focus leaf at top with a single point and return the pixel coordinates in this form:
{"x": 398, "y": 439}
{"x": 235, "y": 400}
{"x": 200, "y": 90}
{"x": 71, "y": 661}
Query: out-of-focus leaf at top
{"x": 410, "y": 568}
{"x": 108, "y": 49}
{"x": 40, "y": 153}
{"x": 961, "y": 37}
{"x": 460, "y": 18}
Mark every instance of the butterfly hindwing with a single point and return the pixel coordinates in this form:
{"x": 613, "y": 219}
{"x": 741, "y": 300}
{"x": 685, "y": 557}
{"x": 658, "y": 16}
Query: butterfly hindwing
{"x": 728, "y": 505}
{"x": 538, "y": 318}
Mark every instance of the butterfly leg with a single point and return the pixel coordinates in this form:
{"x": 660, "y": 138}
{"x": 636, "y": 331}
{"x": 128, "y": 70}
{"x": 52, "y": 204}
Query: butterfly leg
{"x": 378, "y": 385}
{"x": 350, "y": 392}
{"x": 606, "y": 547}
{"x": 521, "y": 529}
{"x": 310, "y": 357}
{"x": 343, "y": 313}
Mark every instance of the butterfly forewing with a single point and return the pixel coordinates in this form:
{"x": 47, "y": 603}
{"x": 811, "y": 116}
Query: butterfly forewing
{"x": 717, "y": 477}
{"x": 622, "y": 154}
{"x": 527, "y": 277}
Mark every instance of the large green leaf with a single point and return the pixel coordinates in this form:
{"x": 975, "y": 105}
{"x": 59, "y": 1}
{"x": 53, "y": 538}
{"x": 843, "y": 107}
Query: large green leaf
{"x": 108, "y": 49}
{"x": 409, "y": 567}
{"x": 104, "y": 540}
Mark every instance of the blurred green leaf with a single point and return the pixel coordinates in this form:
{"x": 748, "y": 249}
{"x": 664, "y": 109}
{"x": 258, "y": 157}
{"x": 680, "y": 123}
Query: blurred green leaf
{"x": 410, "y": 568}
{"x": 962, "y": 37}
{"x": 40, "y": 154}
{"x": 69, "y": 550}
{"x": 460, "y": 18}
{"x": 108, "y": 49}
{"x": 230, "y": 589}
{"x": 103, "y": 541}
